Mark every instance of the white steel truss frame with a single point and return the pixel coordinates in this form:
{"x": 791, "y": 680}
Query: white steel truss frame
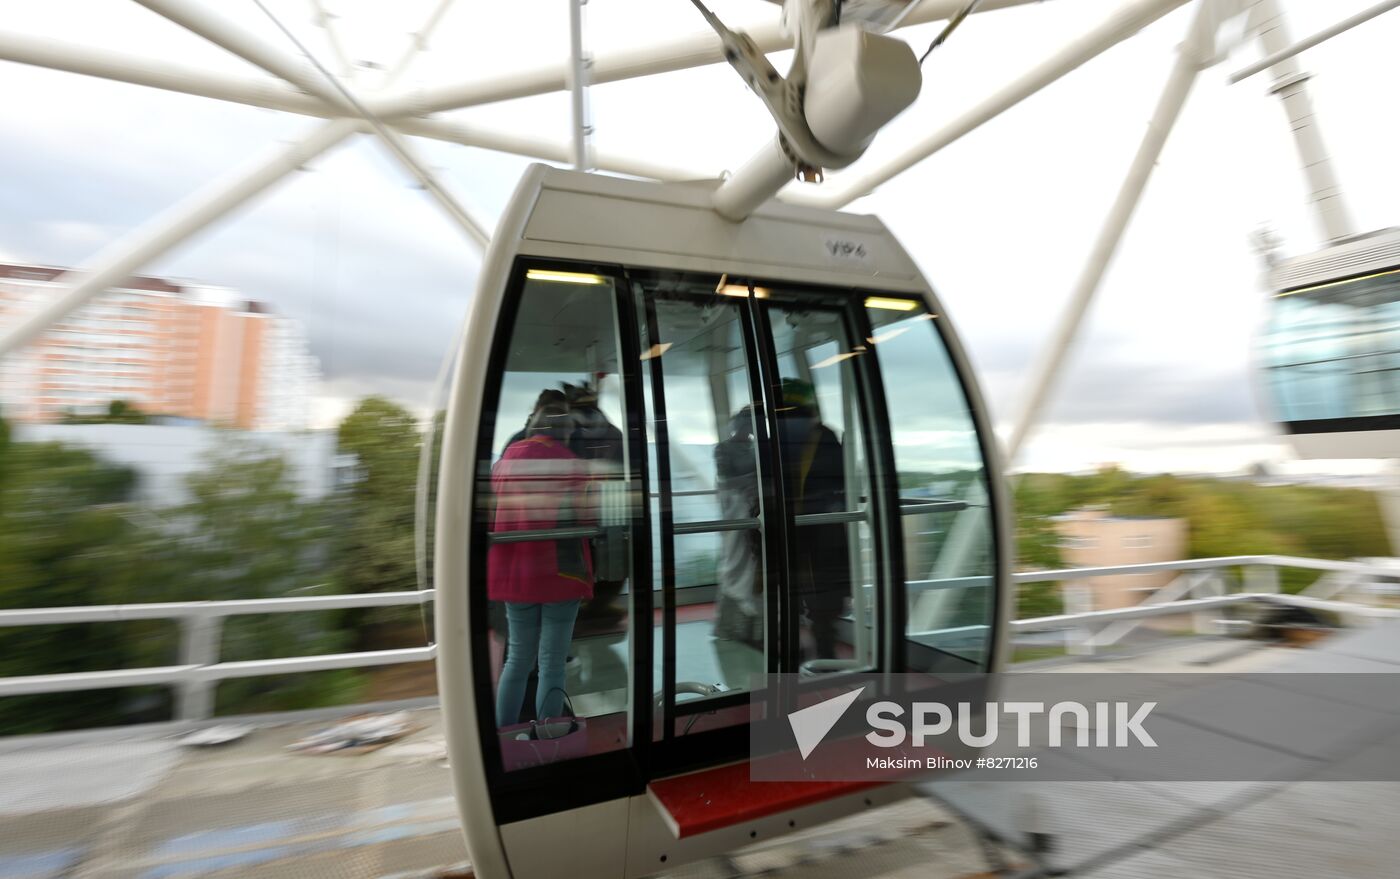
{"x": 391, "y": 113}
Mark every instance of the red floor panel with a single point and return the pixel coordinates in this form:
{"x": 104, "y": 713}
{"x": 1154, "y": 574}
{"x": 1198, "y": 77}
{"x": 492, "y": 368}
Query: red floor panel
{"x": 722, "y": 797}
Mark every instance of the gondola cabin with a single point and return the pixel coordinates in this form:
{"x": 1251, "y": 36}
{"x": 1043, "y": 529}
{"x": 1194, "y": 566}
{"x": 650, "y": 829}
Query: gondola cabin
{"x": 1331, "y": 348}
{"x": 682, "y": 453}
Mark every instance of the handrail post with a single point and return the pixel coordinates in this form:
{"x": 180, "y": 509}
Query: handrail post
{"x": 1210, "y": 585}
{"x": 1261, "y": 578}
{"x": 1079, "y": 640}
{"x": 200, "y": 638}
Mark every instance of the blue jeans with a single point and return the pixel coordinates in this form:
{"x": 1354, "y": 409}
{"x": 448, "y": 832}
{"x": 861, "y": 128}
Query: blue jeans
{"x": 540, "y": 632}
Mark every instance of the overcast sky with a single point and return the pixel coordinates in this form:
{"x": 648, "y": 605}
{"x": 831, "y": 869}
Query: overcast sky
{"x": 1000, "y": 222}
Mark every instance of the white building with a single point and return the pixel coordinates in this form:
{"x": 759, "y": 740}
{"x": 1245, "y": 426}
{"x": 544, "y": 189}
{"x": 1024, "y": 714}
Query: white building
{"x": 165, "y": 455}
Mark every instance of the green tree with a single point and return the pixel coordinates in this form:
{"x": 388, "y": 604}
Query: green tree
{"x": 118, "y": 412}
{"x": 68, "y": 537}
{"x": 244, "y": 534}
{"x": 1225, "y": 517}
{"x": 376, "y": 548}
{"x": 71, "y": 534}
{"x": 1038, "y": 600}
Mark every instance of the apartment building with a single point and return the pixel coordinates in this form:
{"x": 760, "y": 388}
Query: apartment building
{"x": 1091, "y": 538}
{"x": 168, "y": 348}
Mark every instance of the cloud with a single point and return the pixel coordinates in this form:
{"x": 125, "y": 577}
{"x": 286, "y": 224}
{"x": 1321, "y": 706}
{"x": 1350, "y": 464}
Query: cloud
{"x": 1001, "y": 221}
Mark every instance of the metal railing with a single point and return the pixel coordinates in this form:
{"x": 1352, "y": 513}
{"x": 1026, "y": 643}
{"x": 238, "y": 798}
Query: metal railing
{"x": 201, "y": 629}
{"x": 1203, "y": 587}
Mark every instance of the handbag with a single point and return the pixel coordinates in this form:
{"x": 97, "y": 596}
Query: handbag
{"x": 541, "y": 742}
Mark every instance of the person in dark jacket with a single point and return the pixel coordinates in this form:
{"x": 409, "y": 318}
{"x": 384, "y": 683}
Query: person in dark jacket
{"x": 598, "y": 441}
{"x": 815, "y": 478}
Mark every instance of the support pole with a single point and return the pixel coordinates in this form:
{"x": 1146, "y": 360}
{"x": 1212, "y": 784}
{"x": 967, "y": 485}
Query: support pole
{"x": 579, "y": 63}
{"x": 200, "y": 638}
{"x": 114, "y": 264}
{"x": 1189, "y": 58}
{"x": 1290, "y": 84}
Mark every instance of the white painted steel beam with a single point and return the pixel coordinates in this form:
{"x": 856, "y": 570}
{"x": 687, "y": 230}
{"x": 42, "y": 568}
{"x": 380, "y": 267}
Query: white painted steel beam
{"x": 155, "y": 73}
{"x": 682, "y": 53}
{"x": 203, "y": 20}
{"x": 1124, "y": 23}
{"x": 579, "y": 63}
{"x": 409, "y": 158}
{"x": 1191, "y": 54}
{"x": 1318, "y": 38}
{"x": 660, "y": 56}
{"x": 1291, "y": 85}
{"x": 271, "y": 95}
{"x": 321, "y": 83}
{"x": 417, "y": 44}
{"x": 118, "y": 261}
{"x": 326, "y": 22}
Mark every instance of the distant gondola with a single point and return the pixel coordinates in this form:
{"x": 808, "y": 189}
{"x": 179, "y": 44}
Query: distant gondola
{"x": 1331, "y": 348}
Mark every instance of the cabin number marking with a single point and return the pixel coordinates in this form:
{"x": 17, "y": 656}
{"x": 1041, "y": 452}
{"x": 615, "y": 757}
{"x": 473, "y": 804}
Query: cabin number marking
{"x": 847, "y": 251}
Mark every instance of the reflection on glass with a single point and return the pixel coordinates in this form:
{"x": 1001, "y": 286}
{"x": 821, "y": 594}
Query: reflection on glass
{"x": 558, "y": 510}
{"x": 824, "y": 463}
{"x": 1334, "y": 351}
{"x": 739, "y": 606}
{"x": 697, "y": 372}
{"x": 946, "y": 521}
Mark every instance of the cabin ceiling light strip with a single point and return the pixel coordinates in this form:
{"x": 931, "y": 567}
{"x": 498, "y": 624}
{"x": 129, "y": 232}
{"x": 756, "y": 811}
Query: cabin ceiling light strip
{"x": 890, "y": 304}
{"x": 742, "y": 291}
{"x": 564, "y": 277}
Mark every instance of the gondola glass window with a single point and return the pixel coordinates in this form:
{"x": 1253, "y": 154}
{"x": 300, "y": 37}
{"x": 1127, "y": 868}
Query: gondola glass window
{"x": 1333, "y": 351}
{"x": 946, "y": 519}
{"x": 556, "y": 509}
{"x": 826, "y": 479}
{"x": 707, "y": 506}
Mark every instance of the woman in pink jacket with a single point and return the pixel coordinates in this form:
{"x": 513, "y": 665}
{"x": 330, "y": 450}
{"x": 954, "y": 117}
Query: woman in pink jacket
{"x": 537, "y": 484}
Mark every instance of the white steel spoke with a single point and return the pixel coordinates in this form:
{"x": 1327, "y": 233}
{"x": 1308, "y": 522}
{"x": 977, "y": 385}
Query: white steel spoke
{"x": 125, "y": 256}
